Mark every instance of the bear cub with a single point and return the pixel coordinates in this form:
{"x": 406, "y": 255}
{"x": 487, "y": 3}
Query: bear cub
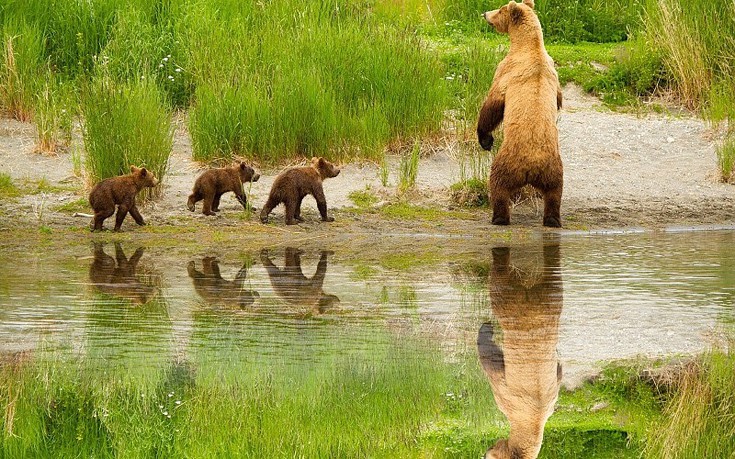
{"x": 212, "y": 184}
{"x": 292, "y": 185}
{"x": 120, "y": 191}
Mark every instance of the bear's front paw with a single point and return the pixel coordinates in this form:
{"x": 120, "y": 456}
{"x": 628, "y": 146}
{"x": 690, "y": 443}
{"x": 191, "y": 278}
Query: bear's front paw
{"x": 486, "y": 141}
{"x": 328, "y": 219}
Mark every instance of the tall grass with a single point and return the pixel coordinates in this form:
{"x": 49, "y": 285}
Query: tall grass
{"x": 124, "y": 124}
{"x": 323, "y": 82}
{"x": 226, "y": 403}
{"x": 20, "y": 68}
{"x": 562, "y": 21}
{"x": 53, "y": 114}
{"x": 700, "y": 420}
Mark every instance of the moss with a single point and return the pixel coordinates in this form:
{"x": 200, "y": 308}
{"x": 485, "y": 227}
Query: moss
{"x": 78, "y": 205}
{"x": 364, "y": 198}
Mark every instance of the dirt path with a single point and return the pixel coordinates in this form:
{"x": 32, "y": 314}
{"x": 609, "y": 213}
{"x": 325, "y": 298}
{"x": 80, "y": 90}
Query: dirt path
{"x": 621, "y": 171}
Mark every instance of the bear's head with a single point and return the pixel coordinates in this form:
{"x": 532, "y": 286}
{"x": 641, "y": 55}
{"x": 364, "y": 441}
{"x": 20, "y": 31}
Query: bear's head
{"x": 143, "y": 177}
{"x": 513, "y": 14}
{"x": 325, "y": 168}
{"x": 247, "y": 174}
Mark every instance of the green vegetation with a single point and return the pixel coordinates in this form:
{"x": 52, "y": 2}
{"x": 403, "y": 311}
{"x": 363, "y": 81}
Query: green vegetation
{"x": 699, "y": 420}
{"x": 408, "y": 169}
{"x": 7, "y": 187}
{"x": 343, "y": 79}
{"x": 363, "y": 199}
{"x": 125, "y": 124}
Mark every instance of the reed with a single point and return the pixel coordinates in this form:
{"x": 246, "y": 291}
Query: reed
{"x": 125, "y": 124}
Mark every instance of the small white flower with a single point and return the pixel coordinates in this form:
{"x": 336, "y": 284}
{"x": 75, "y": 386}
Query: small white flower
{"x": 165, "y": 59}
{"x": 160, "y": 66}
{"x": 178, "y": 70}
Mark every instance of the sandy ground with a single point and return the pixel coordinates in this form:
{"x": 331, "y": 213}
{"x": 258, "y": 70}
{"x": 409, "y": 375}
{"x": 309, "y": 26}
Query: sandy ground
{"x": 620, "y": 171}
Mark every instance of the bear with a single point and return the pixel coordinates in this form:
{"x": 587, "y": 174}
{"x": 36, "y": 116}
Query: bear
{"x": 212, "y": 184}
{"x": 213, "y": 289}
{"x": 118, "y": 276}
{"x": 525, "y": 96}
{"x": 293, "y": 287}
{"x": 292, "y": 185}
{"x": 525, "y": 374}
{"x": 120, "y": 191}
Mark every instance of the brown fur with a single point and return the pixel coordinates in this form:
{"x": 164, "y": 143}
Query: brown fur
{"x": 210, "y": 285}
{"x": 118, "y": 276}
{"x": 293, "y": 185}
{"x": 525, "y": 96}
{"x": 525, "y": 374}
{"x": 293, "y": 287}
{"x": 212, "y": 184}
{"x": 119, "y": 191}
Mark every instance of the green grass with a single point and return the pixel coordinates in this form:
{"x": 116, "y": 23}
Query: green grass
{"x": 8, "y": 189}
{"x": 726, "y": 159}
{"x": 408, "y": 169}
{"x": 364, "y": 198}
{"x": 77, "y": 205}
{"x": 20, "y": 67}
{"x": 125, "y": 124}
{"x": 699, "y": 420}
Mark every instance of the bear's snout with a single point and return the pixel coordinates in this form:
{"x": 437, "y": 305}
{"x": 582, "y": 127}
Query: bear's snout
{"x": 255, "y": 178}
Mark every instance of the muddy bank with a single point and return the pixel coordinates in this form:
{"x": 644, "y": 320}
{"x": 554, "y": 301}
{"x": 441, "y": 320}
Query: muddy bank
{"x": 621, "y": 171}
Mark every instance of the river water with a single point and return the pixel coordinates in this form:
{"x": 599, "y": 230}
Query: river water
{"x": 583, "y": 299}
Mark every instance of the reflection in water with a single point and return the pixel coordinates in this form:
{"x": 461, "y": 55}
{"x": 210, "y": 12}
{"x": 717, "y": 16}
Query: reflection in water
{"x": 210, "y": 285}
{"x": 118, "y": 276}
{"x": 525, "y": 373}
{"x": 293, "y": 287}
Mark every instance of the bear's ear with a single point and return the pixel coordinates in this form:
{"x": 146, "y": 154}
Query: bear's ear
{"x": 143, "y": 172}
{"x": 516, "y": 14}
{"x": 321, "y": 161}
{"x": 133, "y": 168}
{"x": 243, "y": 165}
{"x": 529, "y": 3}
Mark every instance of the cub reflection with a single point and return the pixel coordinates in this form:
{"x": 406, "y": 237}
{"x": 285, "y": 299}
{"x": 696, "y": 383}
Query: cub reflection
{"x": 119, "y": 276}
{"x": 293, "y": 287}
{"x": 213, "y": 289}
{"x": 524, "y": 372}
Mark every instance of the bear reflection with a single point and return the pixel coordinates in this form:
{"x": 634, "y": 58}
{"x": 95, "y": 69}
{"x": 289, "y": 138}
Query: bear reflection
{"x": 524, "y": 372}
{"x": 293, "y": 287}
{"x": 118, "y": 276}
{"x": 210, "y": 285}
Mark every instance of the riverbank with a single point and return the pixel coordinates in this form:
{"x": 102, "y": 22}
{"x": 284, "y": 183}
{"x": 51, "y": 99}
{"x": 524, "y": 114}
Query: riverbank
{"x": 621, "y": 171}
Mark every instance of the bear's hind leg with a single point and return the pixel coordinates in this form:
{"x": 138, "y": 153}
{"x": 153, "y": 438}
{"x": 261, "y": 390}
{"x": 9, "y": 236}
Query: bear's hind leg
{"x": 552, "y": 205}
{"x": 122, "y": 211}
{"x": 500, "y": 198}
{"x": 100, "y": 216}
{"x": 291, "y": 204}
{"x": 297, "y": 213}
{"x": 215, "y": 202}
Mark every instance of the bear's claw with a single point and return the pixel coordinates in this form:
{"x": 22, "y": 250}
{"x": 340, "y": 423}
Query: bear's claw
{"x": 486, "y": 142}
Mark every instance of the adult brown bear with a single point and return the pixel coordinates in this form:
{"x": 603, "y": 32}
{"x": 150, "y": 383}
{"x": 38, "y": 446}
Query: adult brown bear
{"x": 525, "y": 96}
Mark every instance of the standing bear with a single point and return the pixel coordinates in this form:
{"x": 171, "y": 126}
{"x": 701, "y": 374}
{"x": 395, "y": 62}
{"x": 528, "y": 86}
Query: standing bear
{"x": 212, "y": 184}
{"x": 120, "y": 191}
{"x": 525, "y": 96}
{"x": 292, "y": 186}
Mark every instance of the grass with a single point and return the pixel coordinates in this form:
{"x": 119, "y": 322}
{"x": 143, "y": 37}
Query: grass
{"x": 8, "y": 189}
{"x": 699, "y": 420}
{"x": 125, "y": 124}
{"x": 364, "y": 198}
{"x": 260, "y": 401}
{"x": 726, "y": 159}
{"x": 408, "y": 169}
{"x": 20, "y": 65}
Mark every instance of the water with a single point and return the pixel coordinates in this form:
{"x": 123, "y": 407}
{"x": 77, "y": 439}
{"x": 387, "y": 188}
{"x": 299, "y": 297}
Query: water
{"x": 613, "y": 297}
